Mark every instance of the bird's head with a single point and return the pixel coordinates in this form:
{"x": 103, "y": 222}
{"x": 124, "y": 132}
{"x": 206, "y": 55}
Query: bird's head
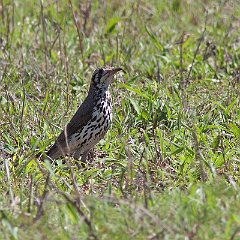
{"x": 103, "y": 77}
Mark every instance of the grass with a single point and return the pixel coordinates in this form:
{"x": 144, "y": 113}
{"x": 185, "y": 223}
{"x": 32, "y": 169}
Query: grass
{"x": 170, "y": 168}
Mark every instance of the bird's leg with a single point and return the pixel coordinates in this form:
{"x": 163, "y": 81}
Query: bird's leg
{"x": 84, "y": 156}
{"x": 77, "y": 154}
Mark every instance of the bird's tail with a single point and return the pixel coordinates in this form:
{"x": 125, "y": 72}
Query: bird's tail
{"x": 55, "y": 152}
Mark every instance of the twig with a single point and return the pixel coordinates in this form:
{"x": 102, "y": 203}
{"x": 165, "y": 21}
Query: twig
{"x": 2, "y": 12}
{"x": 30, "y": 195}
{"x": 40, "y": 208}
{"x": 197, "y": 49}
{"x": 44, "y": 35}
{"x": 81, "y": 213}
{"x": 198, "y": 155}
{"x": 130, "y": 165}
{"x": 223, "y": 152}
{"x": 8, "y": 179}
{"x": 23, "y": 107}
{"x": 77, "y": 28}
{"x": 180, "y": 42}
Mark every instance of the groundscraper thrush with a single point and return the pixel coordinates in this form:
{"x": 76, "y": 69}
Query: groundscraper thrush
{"x": 91, "y": 121}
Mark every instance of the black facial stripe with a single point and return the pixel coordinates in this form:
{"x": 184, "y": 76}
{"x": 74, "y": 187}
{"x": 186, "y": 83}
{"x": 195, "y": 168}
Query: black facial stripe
{"x": 100, "y": 73}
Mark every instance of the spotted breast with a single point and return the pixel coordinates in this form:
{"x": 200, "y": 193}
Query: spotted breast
{"x": 95, "y": 129}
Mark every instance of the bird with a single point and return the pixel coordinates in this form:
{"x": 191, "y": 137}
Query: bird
{"x": 90, "y": 122}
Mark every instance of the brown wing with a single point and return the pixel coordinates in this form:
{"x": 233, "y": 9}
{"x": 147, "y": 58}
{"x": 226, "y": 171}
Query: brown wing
{"x": 78, "y": 121}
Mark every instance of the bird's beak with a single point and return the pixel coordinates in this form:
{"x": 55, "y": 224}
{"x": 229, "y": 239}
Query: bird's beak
{"x": 115, "y": 70}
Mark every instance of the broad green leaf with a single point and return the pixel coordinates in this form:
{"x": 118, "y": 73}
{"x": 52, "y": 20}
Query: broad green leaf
{"x": 111, "y": 25}
{"x": 235, "y": 130}
{"x": 135, "y": 105}
{"x": 154, "y": 39}
{"x": 135, "y": 90}
{"x": 230, "y": 106}
{"x": 178, "y": 150}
